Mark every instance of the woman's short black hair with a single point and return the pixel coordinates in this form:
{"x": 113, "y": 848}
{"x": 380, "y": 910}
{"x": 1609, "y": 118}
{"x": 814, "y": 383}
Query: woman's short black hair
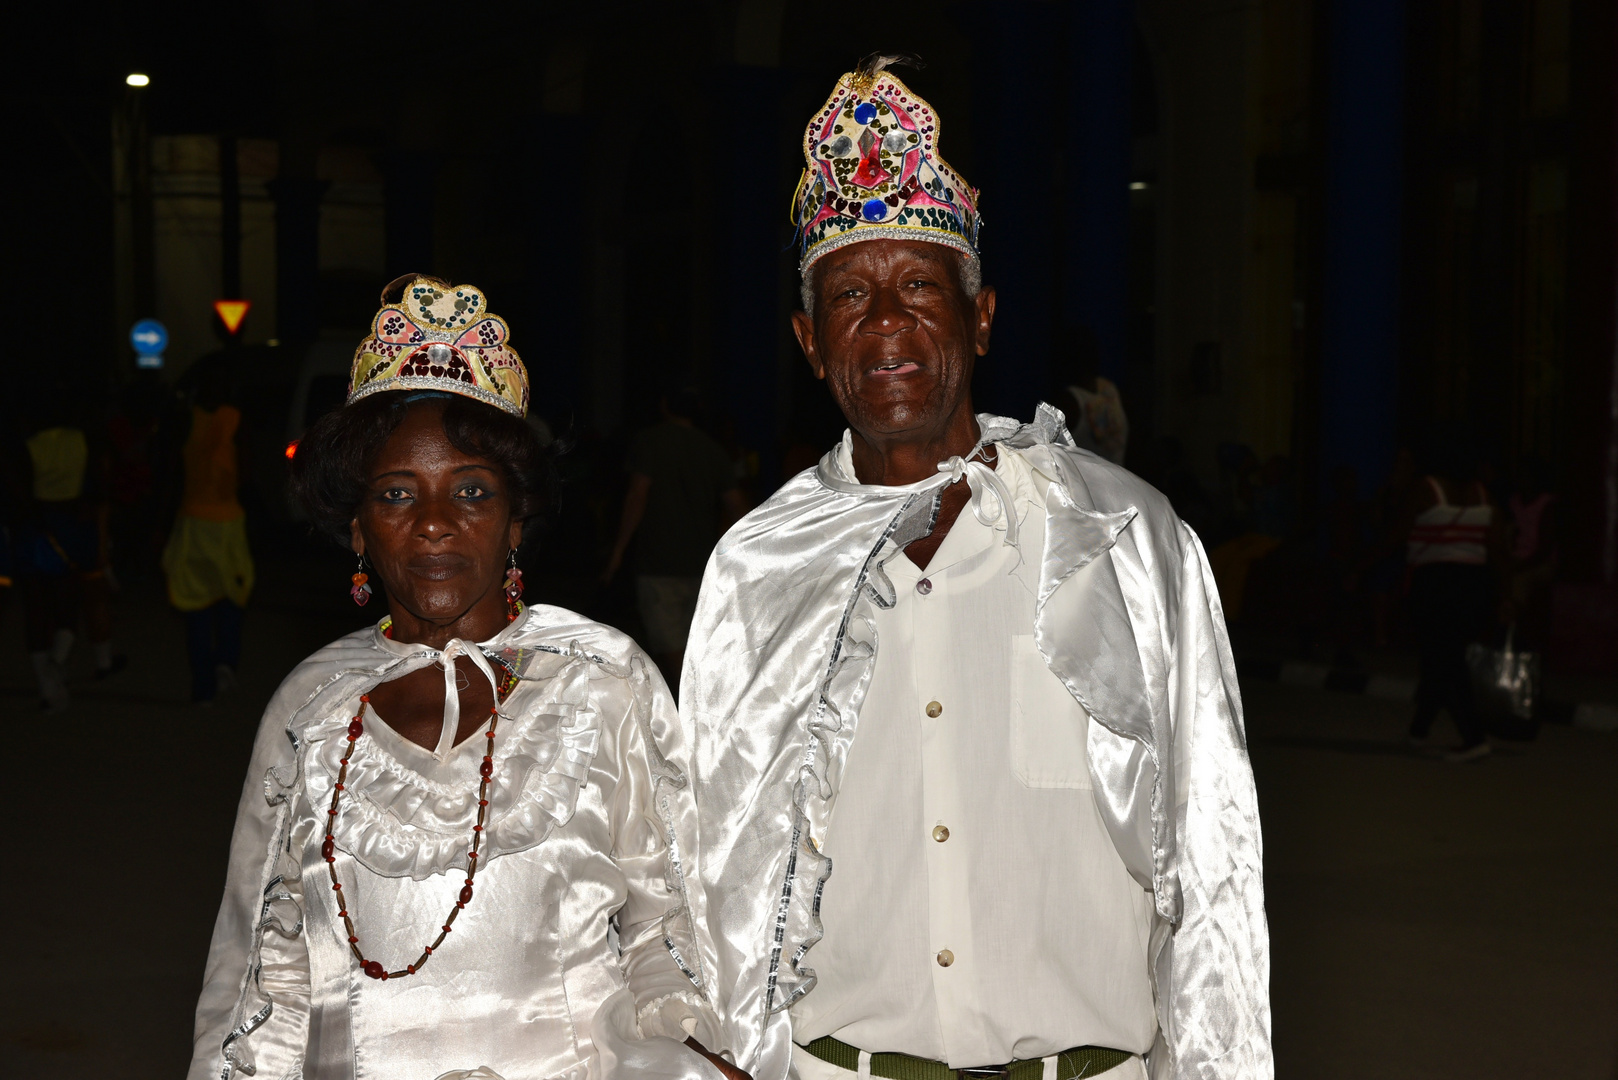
{"x": 329, "y": 466}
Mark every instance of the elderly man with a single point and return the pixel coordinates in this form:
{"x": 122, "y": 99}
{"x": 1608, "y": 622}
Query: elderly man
{"x": 973, "y": 793}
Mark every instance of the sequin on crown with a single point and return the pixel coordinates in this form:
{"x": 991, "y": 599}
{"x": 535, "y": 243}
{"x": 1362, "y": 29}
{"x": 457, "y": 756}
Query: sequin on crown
{"x": 437, "y": 336}
{"x": 873, "y": 171}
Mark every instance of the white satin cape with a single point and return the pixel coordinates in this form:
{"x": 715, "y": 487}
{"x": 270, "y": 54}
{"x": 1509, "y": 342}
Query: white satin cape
{"x": 584, "y": 810}
{"x": 779, "y": 657}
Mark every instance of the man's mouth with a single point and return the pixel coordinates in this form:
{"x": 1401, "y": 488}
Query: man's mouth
{"x": 893, "y": 368}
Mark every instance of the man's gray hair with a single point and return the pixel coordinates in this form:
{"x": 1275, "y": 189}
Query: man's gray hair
{"x": 971, "y": 280}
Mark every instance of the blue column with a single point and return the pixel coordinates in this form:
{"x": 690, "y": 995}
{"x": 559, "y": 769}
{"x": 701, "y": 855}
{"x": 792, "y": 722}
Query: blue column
{"x": 751, "y": 244}
{"x": 1099, "y": 145}
{"x": 1364, "y": 192}
{"x": 1017, "y": 135}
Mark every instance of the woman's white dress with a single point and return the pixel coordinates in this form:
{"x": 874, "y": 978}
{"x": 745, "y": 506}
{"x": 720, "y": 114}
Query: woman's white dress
{"x": 573, "y": 958}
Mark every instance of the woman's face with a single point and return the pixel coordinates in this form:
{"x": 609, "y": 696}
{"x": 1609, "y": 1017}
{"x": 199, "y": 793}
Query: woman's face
{"x": 436, "y": 524}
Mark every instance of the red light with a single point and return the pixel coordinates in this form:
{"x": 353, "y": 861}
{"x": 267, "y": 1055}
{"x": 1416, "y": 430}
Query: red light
{"x": 292, "y": 449}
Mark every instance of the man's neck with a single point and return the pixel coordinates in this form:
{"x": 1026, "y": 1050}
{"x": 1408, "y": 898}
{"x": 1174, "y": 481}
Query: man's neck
{"x": 893, "y": 461}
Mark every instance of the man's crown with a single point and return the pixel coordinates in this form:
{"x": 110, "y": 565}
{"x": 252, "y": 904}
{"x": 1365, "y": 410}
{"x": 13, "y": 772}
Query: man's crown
{"x": 873, "y": 171}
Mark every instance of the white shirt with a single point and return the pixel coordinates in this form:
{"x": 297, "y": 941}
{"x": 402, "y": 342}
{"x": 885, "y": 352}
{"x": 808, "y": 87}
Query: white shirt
{"x": 1045, "y": 932}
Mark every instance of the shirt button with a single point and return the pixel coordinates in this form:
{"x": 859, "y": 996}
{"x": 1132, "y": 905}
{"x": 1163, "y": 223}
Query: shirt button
{"x": 940, "y": 833}
{"x": 924, "y": 586}
{"x": 934, "y": 709}
{"x": 946, "y": 958}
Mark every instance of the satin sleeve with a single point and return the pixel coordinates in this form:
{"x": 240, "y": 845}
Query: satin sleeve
{"x": 655, "y": 932}
{"x": 252, "y": 1014}
{"x": 1218, "y": 1006}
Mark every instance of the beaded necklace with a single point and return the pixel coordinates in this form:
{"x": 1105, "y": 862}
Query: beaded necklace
{"x": 328, "y": 848}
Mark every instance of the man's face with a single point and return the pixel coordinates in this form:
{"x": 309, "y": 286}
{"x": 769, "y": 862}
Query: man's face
{"x": 895, "y": 336}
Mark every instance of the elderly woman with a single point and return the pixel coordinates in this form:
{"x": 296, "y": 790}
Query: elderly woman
{"x": 453, "y": 854}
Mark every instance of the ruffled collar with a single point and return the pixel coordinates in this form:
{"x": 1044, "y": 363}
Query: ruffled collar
{"x": 409, "y": 812}
{"x": 991, "y": 499}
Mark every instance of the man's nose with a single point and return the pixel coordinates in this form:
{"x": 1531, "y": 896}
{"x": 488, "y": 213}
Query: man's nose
{"x": 888, "y": 313}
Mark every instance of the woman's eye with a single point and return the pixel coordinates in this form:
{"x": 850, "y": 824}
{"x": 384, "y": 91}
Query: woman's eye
{"x": 395, "y": 495}
{"x": 473, "y": 491}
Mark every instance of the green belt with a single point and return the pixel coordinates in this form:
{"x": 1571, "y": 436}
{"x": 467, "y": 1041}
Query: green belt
{"x": 1079, "y": 1061}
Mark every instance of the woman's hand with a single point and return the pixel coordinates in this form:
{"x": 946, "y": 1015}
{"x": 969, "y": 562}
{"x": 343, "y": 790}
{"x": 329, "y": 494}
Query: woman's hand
{"x": 731, "y": 1072}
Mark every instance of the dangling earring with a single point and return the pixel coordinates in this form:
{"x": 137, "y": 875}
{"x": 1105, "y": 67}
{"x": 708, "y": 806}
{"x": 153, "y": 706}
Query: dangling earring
{"x": 360, "y": 591}
{"x": 513, "y": 588}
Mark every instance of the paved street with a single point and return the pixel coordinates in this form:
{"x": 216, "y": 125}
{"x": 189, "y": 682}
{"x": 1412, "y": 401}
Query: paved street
{"x": 1429, "y": 921}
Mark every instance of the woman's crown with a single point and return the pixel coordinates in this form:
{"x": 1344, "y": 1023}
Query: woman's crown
{"x": 431, "y": 335}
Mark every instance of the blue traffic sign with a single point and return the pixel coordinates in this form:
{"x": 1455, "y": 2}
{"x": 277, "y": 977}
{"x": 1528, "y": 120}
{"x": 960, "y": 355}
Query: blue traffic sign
{"x": 149, "y": 337}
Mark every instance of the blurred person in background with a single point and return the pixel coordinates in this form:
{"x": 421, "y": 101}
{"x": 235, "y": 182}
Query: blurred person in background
{"x": 683, "y": 494}
{"x": 1452, "y": 538}
{"x": 207, "y": 560}
{"x": 62, "y": 546}
{"x": 1092, "y": 403}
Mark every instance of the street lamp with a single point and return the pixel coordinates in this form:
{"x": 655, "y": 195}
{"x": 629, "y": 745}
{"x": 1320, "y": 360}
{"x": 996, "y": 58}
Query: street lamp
{"x": 137, "y": 79}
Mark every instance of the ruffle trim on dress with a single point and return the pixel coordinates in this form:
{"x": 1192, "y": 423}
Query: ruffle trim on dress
{"x": 398, "y": 823}
{"x": 279, "y": 913}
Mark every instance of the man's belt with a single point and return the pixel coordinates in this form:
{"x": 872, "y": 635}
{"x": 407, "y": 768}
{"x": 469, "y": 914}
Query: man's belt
{"x": 1083, "y": 1061}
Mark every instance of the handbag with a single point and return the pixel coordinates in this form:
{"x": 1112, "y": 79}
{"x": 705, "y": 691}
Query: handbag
{"x": 1506, "y": 684}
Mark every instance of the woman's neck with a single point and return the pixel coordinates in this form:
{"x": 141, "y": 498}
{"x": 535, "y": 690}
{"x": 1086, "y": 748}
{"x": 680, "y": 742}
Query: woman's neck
{"x": 481, "y": 622}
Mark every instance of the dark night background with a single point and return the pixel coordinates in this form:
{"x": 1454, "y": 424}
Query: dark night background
{"x": 1300, "y": 235}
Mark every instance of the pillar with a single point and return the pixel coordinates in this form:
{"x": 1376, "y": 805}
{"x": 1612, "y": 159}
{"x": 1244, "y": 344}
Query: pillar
{"x": 1364, "y": 190}
{"x": 297, "y": 257}
{"x": 1095, "y": 302}
{"x": 1018, "y": 136}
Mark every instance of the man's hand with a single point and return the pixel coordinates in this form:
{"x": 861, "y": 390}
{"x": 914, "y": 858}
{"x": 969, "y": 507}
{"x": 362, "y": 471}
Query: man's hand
{"x": 731, "y": 1072}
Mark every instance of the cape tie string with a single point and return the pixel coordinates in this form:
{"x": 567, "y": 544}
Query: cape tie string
{"x": 452, "y": 690}
{"x": 984, "y": 481}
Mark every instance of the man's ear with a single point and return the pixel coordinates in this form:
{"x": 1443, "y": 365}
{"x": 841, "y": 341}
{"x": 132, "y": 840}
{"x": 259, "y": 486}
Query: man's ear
{"x": 803, "y": 327}
{"x": 984, "y": 302}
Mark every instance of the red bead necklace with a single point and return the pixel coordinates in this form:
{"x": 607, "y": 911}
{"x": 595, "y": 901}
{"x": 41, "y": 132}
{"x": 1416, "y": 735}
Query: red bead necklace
{"x": 328, "y": 849}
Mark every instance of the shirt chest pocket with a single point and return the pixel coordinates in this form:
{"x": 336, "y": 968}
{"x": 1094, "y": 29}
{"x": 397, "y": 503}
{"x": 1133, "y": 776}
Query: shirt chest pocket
{"x": 1048, "y": 727}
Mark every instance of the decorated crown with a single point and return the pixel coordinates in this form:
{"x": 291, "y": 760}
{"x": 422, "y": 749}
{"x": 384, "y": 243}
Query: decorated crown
{"x": 438, "y": 336}
{"x": 874, "y": 173}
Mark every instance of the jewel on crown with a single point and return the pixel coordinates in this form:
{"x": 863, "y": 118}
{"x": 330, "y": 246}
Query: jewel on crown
{"x": 873, "y": 170}
{"x": 430, "y": 335}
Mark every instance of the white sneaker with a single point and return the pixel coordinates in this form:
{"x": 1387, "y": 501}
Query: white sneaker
{"x": 52, "y": 686}
{"x": 1469, "y": 753}
{"x": 62, "y": 647}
